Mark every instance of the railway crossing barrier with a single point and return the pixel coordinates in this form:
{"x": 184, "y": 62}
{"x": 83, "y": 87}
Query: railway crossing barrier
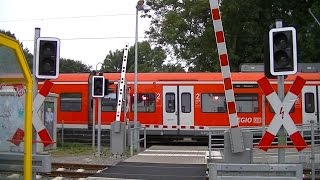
{"x": 118, "y": 133}
{"x": 236, "y": 138}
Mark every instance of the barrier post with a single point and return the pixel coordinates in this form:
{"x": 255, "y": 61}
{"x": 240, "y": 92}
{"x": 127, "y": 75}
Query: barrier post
{"x": 210, "y": 134}
{"x": 312, "y": 151}
{"x": 62, "y": 133}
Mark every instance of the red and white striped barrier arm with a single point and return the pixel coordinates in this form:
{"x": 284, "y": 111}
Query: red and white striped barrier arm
{"x": 224, "y": 63}
{"x": 36, "y": 121}
{"x": 282, "y": 116}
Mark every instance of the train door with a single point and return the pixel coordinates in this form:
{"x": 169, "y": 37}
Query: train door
{"x": 310, "y": 104}
{"x": 178, "y": 106}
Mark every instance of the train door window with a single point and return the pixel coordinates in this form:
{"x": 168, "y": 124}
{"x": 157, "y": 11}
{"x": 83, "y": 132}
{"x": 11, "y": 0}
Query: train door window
{"x": 70, "y": 102}
{"x": 186, "y": 102}
{"x": 211, "y": 102}
{"x": 309, "y": 103}
{"x": 170, "y": 103}
{"x": 146, "y": 102}
{"x": 247, "y": 102}
{"x": 109, "y": 102}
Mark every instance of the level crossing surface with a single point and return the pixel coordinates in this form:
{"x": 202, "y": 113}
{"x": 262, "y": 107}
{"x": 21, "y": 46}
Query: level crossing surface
{"x": 161, "y": 162}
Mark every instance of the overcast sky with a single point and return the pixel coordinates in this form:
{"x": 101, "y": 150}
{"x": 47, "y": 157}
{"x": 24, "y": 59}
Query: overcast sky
{"x": 88, "y": 29}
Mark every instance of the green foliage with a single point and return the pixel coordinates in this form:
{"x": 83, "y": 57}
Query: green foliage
{"x": 66, "y": 65}
{"x": 27, "y": 54}
{"x": 73, "y": 66}
{"x": 74, "y": 148}
{"x": 185, "y": 29}
{"x": 149, "y": 59}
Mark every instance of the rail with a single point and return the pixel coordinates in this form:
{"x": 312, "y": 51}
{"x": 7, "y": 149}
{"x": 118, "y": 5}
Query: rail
{"x": 133, "y": 141}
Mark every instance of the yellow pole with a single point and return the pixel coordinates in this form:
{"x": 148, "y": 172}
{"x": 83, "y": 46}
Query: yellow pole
{"x": 27, "y": 173}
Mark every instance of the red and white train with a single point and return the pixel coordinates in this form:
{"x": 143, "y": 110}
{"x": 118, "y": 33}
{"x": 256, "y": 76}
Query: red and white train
{"x": 183, "y": 104}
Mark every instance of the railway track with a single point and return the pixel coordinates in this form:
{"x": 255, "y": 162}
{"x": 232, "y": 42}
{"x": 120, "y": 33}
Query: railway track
{"x": 71, "y": 170}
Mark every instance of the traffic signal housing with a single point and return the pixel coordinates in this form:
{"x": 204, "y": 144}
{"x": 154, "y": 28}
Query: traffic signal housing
{"x": 47, "y": 58}
{"x": 98, "y": 85}
{"x": 283, "y": 51}
{"x": 107, "y": 88}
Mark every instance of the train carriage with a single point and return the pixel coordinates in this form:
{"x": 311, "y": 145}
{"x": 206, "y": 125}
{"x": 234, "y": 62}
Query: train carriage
{"x": 182, "y": 104}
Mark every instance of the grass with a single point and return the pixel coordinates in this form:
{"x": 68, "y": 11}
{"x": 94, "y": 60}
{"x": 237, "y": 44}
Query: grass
{"x": 83, "y": 149}
{"x": 78, "y": 149}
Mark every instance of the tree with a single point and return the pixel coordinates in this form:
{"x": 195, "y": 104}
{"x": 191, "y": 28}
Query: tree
{"x": 172, "y": 68}
{"x": 27, "y": 54}
{"x": 185, "y": 28}
{"x": 72, "y": 66}
{"x": 66, "y": 65}
{"x": 149, "y": 59}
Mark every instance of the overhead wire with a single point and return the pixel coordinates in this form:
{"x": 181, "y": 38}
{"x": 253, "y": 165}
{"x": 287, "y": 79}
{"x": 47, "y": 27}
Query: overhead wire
{"x": 67, "y": 17}
{"x": 92, "y": 38}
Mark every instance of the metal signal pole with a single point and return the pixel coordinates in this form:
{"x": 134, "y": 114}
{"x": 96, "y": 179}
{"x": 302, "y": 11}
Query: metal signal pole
{"x": 282, "y": 135}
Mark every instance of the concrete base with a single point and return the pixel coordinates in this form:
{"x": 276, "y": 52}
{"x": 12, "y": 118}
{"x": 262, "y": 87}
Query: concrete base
{"x": 244, "y": 157}
{"x": 219, "y": 171}
{"x": 15, "y": 162}
{"x": 117, "y": 135}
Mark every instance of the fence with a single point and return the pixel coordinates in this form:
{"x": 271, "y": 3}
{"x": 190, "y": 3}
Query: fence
{"x": 132, "y": 142}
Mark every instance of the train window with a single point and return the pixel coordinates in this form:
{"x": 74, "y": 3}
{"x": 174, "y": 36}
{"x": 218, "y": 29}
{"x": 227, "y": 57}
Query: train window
{"x": 70, "y": 102}
{"x": 246, "y": 102}
{"x": 186, "y": 102}
{"x": 146, "y": 102}
{"x": 170, "y": 103}
{"x": 213, "y": 103}
{"x": 109, "y": 102}
{"x": 309, "y": 102}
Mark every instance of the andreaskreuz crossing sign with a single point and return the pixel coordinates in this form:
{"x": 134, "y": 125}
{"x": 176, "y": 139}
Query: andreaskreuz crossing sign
{"x": 282, "y": 116}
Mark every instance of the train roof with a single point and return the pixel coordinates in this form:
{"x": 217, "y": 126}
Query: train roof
{"x": 190, "y": 76}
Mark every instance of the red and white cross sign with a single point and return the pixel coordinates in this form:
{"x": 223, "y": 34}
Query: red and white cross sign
{"x": 36, "y": 121}
{"x": 282, "y": 116}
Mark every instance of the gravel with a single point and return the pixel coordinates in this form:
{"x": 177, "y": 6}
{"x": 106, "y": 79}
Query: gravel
{"x": 69, "y": 158}
{"x": 87, "y": 159}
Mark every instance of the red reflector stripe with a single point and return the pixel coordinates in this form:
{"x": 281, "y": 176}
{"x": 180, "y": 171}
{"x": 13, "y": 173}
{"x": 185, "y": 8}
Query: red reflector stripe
{"x": 266, "y": 141}
{"x": 219, "y": 37}
{"x": 298, "y": 141}
{"x": 215, "y": 14}
{"x": 224, "y": 60}
{"x": 231, "y": 107}
{"x": 227, "y": 83}
{"x": 297, "y": 85}
{"x": 45, "y": 137}
{"x": 265, "y": 86}
{"x": 45, "y": 89}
